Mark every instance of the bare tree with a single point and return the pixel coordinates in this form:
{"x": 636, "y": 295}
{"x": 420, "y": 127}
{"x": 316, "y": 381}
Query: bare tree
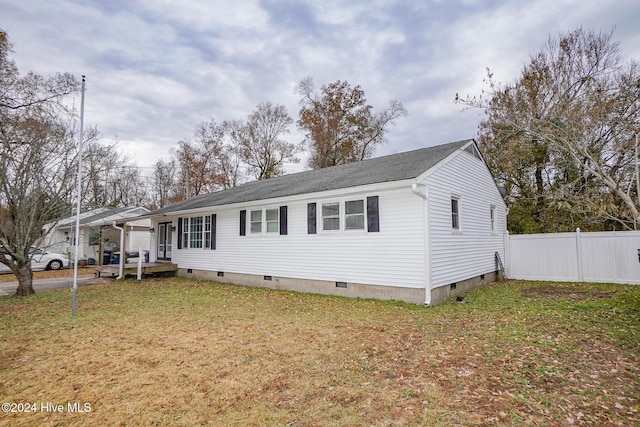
{"x": 99, "y": 160}
{"x": 37, "y": 154}
{"x": 260, "y": 143}
{"x": 230, "y": 160}
{"x": 165, "y": 183}
{"x": 562, "y": 137}
{"x": 339, "y": 125}
{"x": 110, "y": 178}
{"x": 199, "y": 160}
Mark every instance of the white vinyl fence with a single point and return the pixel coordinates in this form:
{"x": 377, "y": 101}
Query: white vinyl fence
{"x": 607, "y": 257}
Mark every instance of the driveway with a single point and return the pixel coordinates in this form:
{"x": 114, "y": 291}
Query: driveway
{"x": 9, "y": 288}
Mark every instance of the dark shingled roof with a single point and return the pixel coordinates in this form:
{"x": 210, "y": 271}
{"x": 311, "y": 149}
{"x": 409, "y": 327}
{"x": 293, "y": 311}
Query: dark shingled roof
{"x": 395, "y": 167}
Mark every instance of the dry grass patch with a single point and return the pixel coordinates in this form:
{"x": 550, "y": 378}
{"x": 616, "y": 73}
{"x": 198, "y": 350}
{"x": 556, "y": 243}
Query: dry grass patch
{"x": 181, "y": 352}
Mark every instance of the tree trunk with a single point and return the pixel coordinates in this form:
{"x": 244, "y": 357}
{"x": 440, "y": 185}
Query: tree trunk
{"x": 25, "y": 281}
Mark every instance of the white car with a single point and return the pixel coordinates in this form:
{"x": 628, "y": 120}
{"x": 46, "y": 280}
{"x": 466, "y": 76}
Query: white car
{"x": 43, "y": 260}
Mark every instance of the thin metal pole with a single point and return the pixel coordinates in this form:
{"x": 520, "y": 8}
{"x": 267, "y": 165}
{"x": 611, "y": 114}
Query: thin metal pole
{"x": 77, "y": 242}
{"x": 637, "y": 162}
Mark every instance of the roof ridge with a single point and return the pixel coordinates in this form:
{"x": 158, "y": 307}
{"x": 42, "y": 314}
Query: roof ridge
{"x": 392, "y": 167}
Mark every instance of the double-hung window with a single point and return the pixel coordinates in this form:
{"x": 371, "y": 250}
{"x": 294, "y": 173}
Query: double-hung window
{"x": 455, "y": 213}
{"x": 195, "y": 232}
{"x": 331, "y": 216}
{"x": 256, "y": 221}
{"x": 264, "y": 221}
{"x": 185, "y": 232}
{"x": 273, "y": 222}
{"x": 492, "y": 210}
{"x": 207, "y": 231}
{"x": 354, "y": 215}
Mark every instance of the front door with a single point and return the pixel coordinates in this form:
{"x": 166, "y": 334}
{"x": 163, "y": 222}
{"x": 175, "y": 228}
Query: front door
{"x": 164, "y": 240}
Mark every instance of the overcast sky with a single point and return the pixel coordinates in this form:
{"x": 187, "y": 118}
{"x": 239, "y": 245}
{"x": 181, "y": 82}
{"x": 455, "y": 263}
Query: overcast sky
{"x": 157, "y": 68}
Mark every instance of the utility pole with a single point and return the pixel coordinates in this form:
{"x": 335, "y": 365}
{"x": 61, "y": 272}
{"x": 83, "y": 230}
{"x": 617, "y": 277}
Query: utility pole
{"x": 635, "y": 223}
{"x": 79, "y": 199}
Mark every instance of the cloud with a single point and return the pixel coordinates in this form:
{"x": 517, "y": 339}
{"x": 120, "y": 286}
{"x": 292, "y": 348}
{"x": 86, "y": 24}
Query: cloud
{"x": 157, "y": 69}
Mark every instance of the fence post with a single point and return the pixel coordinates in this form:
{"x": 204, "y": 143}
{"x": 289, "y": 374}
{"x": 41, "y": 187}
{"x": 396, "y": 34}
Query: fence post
{"x": 507, "y": 253}
{"x": 579, "y": 255}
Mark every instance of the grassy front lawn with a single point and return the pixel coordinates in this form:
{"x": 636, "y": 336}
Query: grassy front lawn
{"x": 182, "y": 352}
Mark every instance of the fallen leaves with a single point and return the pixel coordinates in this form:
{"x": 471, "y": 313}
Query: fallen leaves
{"x": 202, "y": 353}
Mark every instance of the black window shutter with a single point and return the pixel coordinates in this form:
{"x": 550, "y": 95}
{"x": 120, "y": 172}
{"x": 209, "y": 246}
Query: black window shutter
{"x": 283, "y": 220}
{"x": 373, "y": 214}
{"x": 243, "y": 223}
{"x": 179, "y": 233}
{"x": 311, "y": 218}
{"x": 213, "y": 231}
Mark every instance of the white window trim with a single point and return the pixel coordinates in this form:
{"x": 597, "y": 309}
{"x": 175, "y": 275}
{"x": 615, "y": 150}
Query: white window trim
{"x": 186, "y": 232}
{"x": 267, "y": 221}
{"x": 193, "y": 236}
{"x": 251, "y": 222}
{"x": 493, "y": 218}
{"x": 206, "y": 234}
{"x": 186, "y": 221}
{"x": 321, "y": 216}
{"x": 454, "y": 230}
{"x": 342, "y": 215}
{"x": 364, "y": 214}
{"x": 263, "y": 221}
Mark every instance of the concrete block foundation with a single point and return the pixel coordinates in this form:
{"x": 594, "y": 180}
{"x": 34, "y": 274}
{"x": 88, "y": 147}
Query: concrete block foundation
{"x": 345, "y": 289}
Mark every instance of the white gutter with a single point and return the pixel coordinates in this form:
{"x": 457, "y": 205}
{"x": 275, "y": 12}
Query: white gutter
{"x": 122, "y": 251}
{"x": 423, "y": 194}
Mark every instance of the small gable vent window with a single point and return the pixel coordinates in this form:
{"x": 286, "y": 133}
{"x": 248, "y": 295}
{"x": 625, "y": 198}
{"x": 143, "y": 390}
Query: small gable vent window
{"x": 471, "y": 149}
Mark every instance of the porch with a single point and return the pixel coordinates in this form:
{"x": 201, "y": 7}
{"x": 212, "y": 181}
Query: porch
{"x": 131, "y": 269}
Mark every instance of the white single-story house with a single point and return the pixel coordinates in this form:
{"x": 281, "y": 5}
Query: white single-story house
{"x": 417, "y": 226}
{"x": 98, "y": 236}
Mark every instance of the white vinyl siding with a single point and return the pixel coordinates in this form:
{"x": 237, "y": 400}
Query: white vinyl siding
{"x": 395, "y": 256}
{"x": 470, "y": 253}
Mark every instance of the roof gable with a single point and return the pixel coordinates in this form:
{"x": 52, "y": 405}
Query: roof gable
{"x": 394, "y": 167}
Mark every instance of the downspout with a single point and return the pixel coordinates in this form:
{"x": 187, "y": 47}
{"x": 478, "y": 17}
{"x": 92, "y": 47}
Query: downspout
{"x": 422, "y": 193}
{"x": 122, "y": 251}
